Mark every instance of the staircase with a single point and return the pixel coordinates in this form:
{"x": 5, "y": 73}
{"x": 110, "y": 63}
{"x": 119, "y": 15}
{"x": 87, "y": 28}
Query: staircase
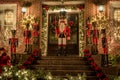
{"x": 62, "y": 65}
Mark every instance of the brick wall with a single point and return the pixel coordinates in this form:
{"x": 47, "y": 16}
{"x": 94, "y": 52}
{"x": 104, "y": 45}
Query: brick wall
{"x": 90, "y": 8}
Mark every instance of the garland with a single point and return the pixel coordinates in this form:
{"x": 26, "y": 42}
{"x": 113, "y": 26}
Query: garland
{"x": 94, "y": 66}
{"x": 31, "y": 59}
{"x": 5, "y": 60}
{"x": 9, "y": 72}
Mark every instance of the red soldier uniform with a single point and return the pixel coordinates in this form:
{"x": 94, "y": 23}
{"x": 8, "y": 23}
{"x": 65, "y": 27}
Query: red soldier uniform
{"x": 63, "y": 33}
{"x": 95, "y": 34}
{"x": 104, "y": 42}
{"x": 104, "y": 45}
{"x": 105, "y": 48}
{"x": 95, "y": 37}
{"x": 27, "y": 36}
{"x": 13, "y": 44}
{"x": 89, "y": 29}
{"x": 35, "y": 33}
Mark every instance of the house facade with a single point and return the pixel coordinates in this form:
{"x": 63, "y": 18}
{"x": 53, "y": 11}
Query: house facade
{"x": 78, "y": 12}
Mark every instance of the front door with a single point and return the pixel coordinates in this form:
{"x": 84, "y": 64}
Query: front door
{"x": 72, "y": 46}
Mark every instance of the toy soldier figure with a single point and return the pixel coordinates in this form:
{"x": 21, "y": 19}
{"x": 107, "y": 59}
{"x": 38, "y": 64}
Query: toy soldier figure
{"x": 13, "y": 44}
{"x": 95, "y": 37}
{"x": 62, "y": 33}
{"x": 27, "y": 36}
{"x": 88, "y": 32}
{"x": 35, "y": 34}
{"x": 105, "y": 47}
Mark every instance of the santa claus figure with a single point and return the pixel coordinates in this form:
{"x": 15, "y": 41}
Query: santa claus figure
{"x": 62, "y": 33}
{"x": 13, "y": 42}
{"x": 27, "y": 36}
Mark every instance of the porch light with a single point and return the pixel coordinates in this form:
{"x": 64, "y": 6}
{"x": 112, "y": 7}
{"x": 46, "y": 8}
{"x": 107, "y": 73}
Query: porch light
{"x": 24, "y": 9}
{"x": 100, "y": 8}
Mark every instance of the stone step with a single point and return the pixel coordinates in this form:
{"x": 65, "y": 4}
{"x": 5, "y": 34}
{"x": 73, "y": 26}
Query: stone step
{"x": 62, "y": 67}
{"x": 64, "y": 62}
{"x": 63, "y": 57}
{"x": 88, "y": 77}
{"x": 71, "y": 72}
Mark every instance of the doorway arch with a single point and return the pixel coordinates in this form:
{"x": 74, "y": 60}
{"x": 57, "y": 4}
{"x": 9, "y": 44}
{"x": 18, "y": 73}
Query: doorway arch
{"x": 44, "y": 29}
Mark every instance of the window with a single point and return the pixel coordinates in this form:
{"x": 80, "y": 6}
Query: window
{"x": 7, "y": 19}
{"x": 117, "y": 14}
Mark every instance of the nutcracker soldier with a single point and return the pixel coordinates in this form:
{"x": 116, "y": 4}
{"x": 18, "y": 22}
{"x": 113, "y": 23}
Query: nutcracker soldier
{"x": 88, "y": 32}
{"x": 95, "y": 37}
{"x": 63, "y": 34}
{"x": 27, "y": 36}
{"x": 105, "y": 47}
{"x": 35, "y": 34}
{"x": 104, "y": 42}
{"x": 13, "y": 42}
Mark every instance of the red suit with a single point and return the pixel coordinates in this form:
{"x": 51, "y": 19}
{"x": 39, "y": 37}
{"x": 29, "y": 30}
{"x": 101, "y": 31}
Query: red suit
{"x": 13, "y": 44}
